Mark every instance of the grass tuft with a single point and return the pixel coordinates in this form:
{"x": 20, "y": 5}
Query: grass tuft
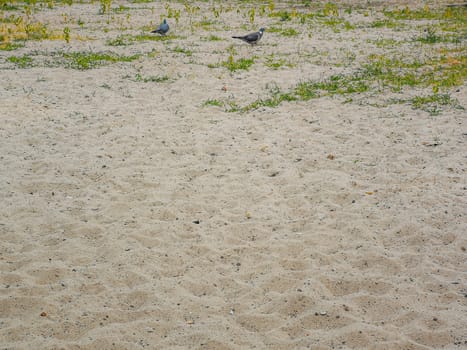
{"x": 89, "y": 60}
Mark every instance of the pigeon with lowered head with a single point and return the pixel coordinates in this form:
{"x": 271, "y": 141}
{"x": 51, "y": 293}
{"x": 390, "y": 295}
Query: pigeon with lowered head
{"x": 252, "y": 38}
{"x": 163, "y": 28}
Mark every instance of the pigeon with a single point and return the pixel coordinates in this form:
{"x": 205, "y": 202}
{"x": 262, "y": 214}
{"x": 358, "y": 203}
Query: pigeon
{"x": 163, "y": 28}
{"x": 252, "y": 38}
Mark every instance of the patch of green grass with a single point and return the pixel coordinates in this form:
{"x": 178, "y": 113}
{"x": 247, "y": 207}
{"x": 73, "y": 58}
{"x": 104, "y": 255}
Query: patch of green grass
{"x": 336, "y": 84}
{"x": 8, "y": 6}
{"x": 204, "y": 23}
{"x": 433, "y": 104}
{"x": 152, "y": 37}
{"x": 213, "y": 102}
{"x": 430, "y": 37}
{"x": 289, "y": 32}
{"x": 330, "y": 9}
{"x": 212, "y": 38}
{"x": 89, "y": 60}
{"x": 151, "y": 79}
{"x": 456, "y": 14}
{"x": 125, "y": 40}
{"x": 304, "y": 91}
{"x": 277, "y": 97}
{"x": 121, "y": 40}
{"x": 11, "y": 46}
{"x": 386, "y": 23}
{"x": 186, "y": 52}
{"x": 121, "y": 9}
{"x": 283, "y": 15}
{"x": 283, "y": 31}
{"x": 396, "y": 73}
{"x": 276, "y": 63}
{"x": 241, "y": 64}
{"x": 385, "y": 43}
{"x": 105, "y": 6}
{"x": 21, "y": 61}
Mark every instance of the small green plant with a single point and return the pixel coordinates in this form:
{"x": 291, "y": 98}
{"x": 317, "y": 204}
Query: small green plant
{"x": 212, "y": 38}
{"x": 284, "y": 16}
{"x": 105, "y": 6}
{"x": 433, "y": 104}
{"x": 171, "y": 13}
{"x": 151, "y": 79}
{"x": 21, "y": 61}
{"x": 330, "y": 9}
{"x": 66, "y": 34}
{"x": 385, "y": 43}
{"x": 186, "y": 52}
{"x": 277, "y": 97}
{"x": 283, "y": 31}
{"x": 89, "y": 60}
{"x": 430, "y": 37}
{"x": 233, "y": 65}
{"x": 121, "y": 9}
{"x": 289, "y": 32}
{"x": 216, "y": 11}
{"x": 191, "y": 11}
{"x": 213, "y": 102}
{"x": 386, "y": 23}
{"x": 251, "y": 15}
{"x": 271, "y": 5}
{"x": 10, "y": 46}
{"x": 275, "y": 64}
{"x": 150, "y": 37}
{"x": 121, "y": 40}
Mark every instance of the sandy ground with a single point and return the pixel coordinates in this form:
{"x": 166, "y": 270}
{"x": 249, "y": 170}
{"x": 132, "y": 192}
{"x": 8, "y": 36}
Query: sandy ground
{"x": 134, "y": 216}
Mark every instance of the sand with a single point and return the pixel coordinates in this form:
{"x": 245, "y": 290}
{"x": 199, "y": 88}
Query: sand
{"x": 136, "y": 216}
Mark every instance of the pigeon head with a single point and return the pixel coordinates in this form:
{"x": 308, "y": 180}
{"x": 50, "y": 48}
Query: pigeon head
{"x": 165, "y": 21}
{"x": 262, "y": 30}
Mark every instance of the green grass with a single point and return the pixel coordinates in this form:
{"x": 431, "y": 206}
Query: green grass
{"x": 386, "y": 23}
{"x": 89, "y": 60}
{"x": 21, "y": 61}
{"x": 289, "y": 32}
{"x": 125, "y": 40}
{"x": 212, "y": 38}
{"x": 151, "y": 79}
{"x": 8, "y": 6}
{"x": 277, "y": 97}
{"x": 395, "y": 73}
{"x": 452, "y": 14}
{"x": 241, "y": 64}
{"x": 11, "y": 46}
{"x": 213, "y": 102}
{"x": 121, "y": 40}
{"x": 186, "y": 52}
{"x": 121, "y": 9}
{"x": 276, "y": 63}
{"x": 336, "y": 84}
{"x": 282, "y": 15}
{"x": 385, "y": 43}
{"x": 430, "y": 37}
{"x": 432, "y": 104}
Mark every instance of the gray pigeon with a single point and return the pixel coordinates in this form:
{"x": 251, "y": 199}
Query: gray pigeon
{"x": 163, "y": 28}
{"x": 252, "y": 38}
